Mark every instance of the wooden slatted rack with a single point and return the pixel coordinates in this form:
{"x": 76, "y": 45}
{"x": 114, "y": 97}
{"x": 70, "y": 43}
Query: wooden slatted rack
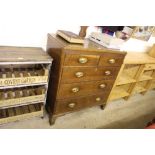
{"x": 24, "y": 76}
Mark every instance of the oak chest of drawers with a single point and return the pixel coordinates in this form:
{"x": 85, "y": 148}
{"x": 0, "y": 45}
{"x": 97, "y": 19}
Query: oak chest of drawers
{"x": 81, "y": 76}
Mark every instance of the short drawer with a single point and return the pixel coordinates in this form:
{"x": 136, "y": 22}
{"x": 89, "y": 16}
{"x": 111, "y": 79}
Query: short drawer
{"x": 79, "y": 74}
{"x": 149, "y": 66}
{"x": 81, "y": 60}
{"x": 111, "y": 59}
{"x": 64, "y": 106}
{"x": 84, "y": 88}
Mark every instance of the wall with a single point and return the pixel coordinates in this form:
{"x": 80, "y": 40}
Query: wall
{"x": 27, "y": 22}
{"x": 134, "y": 45}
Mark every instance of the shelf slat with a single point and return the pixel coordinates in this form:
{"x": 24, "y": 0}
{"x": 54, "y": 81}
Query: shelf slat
{"x": 152, "y": 86}
{"x": 145, "y": 77}
{"x": 22, "y": 101}
{"x": 19, "y": 86}
{"x": 118, "y": 93}
{"x": 21, "y": 117}
{"x": 125, "y": 79}
{"x": 9, "y": 82}
{"x": 20, "y": 113}
{"x": 138, "y": 89}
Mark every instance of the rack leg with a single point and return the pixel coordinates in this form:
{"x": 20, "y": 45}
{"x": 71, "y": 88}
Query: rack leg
{"x": 42, "y": 117}
{"x": 43, "y": 110}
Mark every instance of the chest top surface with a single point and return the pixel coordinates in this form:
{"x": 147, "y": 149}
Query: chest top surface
{"x": 88, "y": 45}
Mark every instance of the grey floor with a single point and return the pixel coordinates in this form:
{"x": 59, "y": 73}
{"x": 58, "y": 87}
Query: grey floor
{"x": 132, "y": 114}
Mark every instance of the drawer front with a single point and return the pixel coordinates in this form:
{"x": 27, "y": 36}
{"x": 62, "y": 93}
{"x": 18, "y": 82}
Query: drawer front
{"x": 81, "y": 60}
{"x": 77, "y": 74}
{"x": 84, "y": 88}
{"x": 149, "y": 66}
{"x": 64, "y": 106}
{"x": 110, "y": 59}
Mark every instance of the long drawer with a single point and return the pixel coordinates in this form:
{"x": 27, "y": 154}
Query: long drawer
{"x": 79, "y": 74}
{"x": 70, "y": 105}
{"x": 84, "y": 88}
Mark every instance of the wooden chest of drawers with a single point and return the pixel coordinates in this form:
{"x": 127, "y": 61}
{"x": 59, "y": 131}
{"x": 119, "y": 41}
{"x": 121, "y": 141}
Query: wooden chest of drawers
{"x": 82, "y": 75}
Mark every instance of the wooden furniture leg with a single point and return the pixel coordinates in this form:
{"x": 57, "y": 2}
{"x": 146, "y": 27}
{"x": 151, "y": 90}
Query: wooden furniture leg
{"x": 103, "y": 106}
{"x": 52, "y": 120}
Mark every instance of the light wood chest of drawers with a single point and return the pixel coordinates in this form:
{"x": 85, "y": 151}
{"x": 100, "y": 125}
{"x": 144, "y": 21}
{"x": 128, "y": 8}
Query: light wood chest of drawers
{"x": 81, "y": 76}
{"x": 136, "y": 76}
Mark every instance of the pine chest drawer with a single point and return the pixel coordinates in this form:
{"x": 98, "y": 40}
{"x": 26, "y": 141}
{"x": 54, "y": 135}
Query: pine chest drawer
{"x": 149, "y": 66}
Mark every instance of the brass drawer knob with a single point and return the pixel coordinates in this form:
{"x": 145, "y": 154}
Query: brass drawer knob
{"x": 83, "y": 60}
{"x": 107, "y": 72}
{"x": 112, "y": 61}
{"x": 75, "y": 90}
{"x": 71, "y": 105}
{"x": 98, "y": 99}
{"x": 102, "y": 86}
{"x": 79, "y": 74}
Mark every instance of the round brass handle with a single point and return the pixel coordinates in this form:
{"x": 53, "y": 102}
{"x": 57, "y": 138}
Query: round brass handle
{"x": 71, "y": 105}
{"x": 98, "y": 99}
{"x": 112, "y": 61}
{"x": 75, "y": 90}
{"x": 107, "y": 72}
{"x": 79, "y": 74}
{"x": 83, "y": 60}
{"x": 102, "y": 86}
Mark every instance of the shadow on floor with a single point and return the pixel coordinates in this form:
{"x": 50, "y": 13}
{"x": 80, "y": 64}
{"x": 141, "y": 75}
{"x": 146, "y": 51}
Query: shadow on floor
{"x": 137, "y": 123}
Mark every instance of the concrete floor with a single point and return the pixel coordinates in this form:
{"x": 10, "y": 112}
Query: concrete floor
{"x": 132, "y": 114}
